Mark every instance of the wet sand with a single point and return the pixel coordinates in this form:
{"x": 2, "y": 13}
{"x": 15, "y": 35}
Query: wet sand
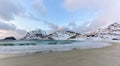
{"x": 107, "y": 56}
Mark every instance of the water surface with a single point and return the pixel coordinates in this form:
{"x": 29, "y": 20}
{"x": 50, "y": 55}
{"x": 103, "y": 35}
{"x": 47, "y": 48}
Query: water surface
{"x": 34, "y": 42}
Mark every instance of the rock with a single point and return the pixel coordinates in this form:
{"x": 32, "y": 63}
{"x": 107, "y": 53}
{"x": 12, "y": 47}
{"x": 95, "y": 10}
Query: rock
{"x": 10, "y": 38}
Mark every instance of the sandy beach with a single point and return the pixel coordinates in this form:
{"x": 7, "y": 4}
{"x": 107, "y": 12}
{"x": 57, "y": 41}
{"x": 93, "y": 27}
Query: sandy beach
{"x": 107, "y": 56}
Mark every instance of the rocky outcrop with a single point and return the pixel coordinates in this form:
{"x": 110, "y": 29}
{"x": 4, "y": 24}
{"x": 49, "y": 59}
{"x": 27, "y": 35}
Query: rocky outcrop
{"x": 10, "y": 38}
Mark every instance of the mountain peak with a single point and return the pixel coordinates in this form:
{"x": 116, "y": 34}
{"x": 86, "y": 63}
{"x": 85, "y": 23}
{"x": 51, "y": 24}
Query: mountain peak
{"x": 63, "y": 35}
{"x": 110, "y": 32}
{"x": 58, "y": 35}
{"x": 115, "y": 24}
{"x": 38, "y": 31}
{"x": 35, "y": 34}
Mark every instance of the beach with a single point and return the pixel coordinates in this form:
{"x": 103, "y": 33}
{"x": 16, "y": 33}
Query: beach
{"x": 106, "y": 56}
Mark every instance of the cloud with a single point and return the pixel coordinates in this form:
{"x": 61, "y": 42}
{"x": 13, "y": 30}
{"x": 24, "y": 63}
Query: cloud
{"x": 39, "y": 6}
{"x": 85, "y": 27}
{"x": 109, "y": 11}
{"x": 21, "y": 31}
{"x": 53, "y": 28}
{"x": 86, "y": 4}
{"x": 8, "y": 33}
{"x": 63, "y": 28}
{"x": 7, "y": 26}
{"x": 9, "y": 29}
{"x": 72, "y": 24}
{"x": 9, "y": 9}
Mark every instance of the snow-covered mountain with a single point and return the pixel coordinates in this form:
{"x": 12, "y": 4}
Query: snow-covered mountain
{"x": 63, "y": 35}
{"x": 110, "y": 32}
{"x": 41, "y": 35}
{"x": 36, "y": 34}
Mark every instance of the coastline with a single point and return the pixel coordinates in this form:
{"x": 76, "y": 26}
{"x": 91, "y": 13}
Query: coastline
{"x": 106, "y": 56}
{"x": 52, "y": 47}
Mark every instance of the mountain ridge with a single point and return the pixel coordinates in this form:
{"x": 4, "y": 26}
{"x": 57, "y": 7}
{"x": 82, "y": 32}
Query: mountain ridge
{"x": 110, "y": 32}
{"x": 41, "y": 35}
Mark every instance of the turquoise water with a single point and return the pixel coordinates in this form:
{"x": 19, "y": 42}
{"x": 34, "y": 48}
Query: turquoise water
{"x": 34, "y": 42}
{"x": 31, "y": 46}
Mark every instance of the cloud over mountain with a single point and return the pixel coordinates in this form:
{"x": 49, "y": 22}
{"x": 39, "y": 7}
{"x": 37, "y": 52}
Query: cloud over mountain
{"x": 9, "y": 29}
{"x": 14, "y": 9}
{"x": 27, "y": 14}
{"x": 108, "y": 10}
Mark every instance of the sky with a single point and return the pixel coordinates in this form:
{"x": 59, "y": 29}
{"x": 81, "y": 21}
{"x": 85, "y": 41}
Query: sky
{"x": 19, "y": 16}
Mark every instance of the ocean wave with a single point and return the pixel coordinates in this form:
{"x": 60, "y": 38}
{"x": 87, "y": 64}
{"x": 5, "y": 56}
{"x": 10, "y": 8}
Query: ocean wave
{"x": 52, "y": 47}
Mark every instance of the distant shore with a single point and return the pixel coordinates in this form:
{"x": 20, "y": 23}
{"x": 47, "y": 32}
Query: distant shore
{"x": 107, "y": 56}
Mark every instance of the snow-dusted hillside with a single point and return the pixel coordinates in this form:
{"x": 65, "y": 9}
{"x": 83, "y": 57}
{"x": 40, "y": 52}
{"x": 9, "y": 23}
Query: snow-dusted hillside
{"x": 110, "y": 32}
{"x": 41, "y": 35}
{"x": 36, "y": 34}
{"x": 63, "y": 35}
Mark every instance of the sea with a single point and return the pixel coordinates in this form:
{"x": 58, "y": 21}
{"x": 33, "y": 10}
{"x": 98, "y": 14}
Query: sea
{"x": 13, "y": 47}
{"x": 35, "y": 42}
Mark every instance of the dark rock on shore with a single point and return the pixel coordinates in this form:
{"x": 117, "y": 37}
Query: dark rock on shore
{"x": 10, "y": 38}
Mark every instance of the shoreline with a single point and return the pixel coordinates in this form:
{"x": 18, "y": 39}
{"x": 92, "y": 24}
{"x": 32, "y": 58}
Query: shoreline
{"x": 106, "y": 56}
{"x": 52, "y": 47}
{"x": 55, "y": 49}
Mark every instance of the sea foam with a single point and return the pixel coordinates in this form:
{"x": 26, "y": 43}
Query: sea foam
{"x": 52, "y": 47}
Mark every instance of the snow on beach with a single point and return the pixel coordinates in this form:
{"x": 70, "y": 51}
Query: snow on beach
{"x": 52, "y": 47}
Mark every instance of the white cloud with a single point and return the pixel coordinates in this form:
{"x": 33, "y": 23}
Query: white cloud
{"x": 9, "y": 9}
{"x": 13, "y": 10}
{"x": 63, "y": 28}
{"x": 9, "y": 29}
{"x": 7, "y": 26}
{"x": 72, "y": 24}
{"x": 52, "y": 27}
{"x": 39, "y": 6}
{"x": 9, "y": 33}
{"x": 110, "y": 11}
{"x": 87, "y": 4}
